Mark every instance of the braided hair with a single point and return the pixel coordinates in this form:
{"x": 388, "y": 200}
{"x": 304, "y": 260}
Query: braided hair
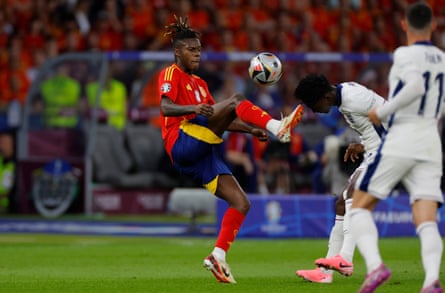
{"x": 180, "y": 30}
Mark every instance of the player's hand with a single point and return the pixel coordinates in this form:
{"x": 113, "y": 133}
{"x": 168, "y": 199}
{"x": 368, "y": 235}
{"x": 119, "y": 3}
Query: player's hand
{"x": 372, "y": 115}
{"x": 204, "y": 110}
{"x": 261, "y": 134}
{"x": 353, "y": 152}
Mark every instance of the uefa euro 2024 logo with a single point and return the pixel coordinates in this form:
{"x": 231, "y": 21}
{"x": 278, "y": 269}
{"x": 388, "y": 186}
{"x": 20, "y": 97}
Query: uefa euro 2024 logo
{"x": 273, "y": 214}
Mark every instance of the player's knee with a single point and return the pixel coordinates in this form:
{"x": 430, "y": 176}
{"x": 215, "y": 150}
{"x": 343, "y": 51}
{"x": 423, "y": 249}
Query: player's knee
{"x": 246, "y": 207}
{"x": 235, "y": 100}
{"x": 243, "y": 206}
{"x": 238, "y": 97}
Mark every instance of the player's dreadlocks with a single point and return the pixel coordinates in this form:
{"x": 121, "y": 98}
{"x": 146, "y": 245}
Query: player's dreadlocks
{"x": 312, "y": 88}
{"x": 180, "y": 30}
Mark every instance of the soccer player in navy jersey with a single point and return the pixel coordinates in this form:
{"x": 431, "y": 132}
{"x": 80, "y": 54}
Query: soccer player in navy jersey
{"x": 410, "y": 152}
{"x": 192, "y": 129}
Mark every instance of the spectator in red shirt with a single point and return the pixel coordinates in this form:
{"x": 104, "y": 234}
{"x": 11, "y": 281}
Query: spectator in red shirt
{"x": 14, "y": 83}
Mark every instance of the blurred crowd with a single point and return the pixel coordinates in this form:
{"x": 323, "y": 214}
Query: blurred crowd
{"x": 34, "y": 31}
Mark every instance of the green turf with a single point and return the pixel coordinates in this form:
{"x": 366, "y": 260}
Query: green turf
{"x": 159, "y": 218}
{"x": 57, "y": 263}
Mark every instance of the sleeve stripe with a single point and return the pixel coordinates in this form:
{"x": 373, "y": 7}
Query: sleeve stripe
{"x": 168, "y": 75}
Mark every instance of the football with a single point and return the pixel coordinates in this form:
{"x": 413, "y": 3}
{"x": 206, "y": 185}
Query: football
{"x": 265, "y": 68}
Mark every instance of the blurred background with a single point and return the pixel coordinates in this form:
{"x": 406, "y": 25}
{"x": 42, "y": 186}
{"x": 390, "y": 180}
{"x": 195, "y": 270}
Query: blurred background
{"x": 79, "y": 116}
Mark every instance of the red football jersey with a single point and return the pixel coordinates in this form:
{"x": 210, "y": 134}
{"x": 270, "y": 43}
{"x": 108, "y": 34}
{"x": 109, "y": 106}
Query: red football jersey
{"x": 183, "y": 89}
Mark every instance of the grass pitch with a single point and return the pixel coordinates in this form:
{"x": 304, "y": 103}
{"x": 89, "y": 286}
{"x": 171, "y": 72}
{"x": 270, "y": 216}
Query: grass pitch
{"x": 74, "y": 263}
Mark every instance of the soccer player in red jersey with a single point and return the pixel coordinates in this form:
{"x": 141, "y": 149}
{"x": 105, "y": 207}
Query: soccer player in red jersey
{"x": 192, "y": 129}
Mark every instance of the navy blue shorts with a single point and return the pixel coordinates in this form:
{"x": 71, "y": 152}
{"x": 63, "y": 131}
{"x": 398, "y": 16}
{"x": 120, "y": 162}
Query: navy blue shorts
{"x": 198, "y": 152}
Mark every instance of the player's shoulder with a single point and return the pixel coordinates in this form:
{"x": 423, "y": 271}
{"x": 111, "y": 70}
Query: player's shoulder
{"x": 199, "y": 80}
{"x": 356, "y": 95}
{"x": 412, "y": 53}
{"x": 196, "y": 76}
{"x": 405, "y": 55}
{"x": 168, "y": 72}
{"x": 349, "y": 92}
{"x": 349, "y": 84}
{"x": 402, "y": 52}
{"x": 439, "y": 53}
{"x": 352, "y": 88}
{"x": 412, "y": 50}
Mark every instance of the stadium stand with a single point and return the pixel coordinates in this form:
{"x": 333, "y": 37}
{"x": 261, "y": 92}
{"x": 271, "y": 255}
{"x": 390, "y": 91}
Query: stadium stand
{"x": 34, "y": 33}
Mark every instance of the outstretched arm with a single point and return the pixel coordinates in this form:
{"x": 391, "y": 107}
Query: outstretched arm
{"x": 239, "y": 126}
{"x": 169, "y": 108}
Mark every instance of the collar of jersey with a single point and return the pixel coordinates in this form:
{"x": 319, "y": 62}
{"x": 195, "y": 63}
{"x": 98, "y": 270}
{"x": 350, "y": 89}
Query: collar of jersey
{"x": 428, "y": 43}
{"x": 338, "y": 94}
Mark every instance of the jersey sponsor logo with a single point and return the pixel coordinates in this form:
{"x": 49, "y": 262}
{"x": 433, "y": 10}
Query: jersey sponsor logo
{"x": 166, "y": 87}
